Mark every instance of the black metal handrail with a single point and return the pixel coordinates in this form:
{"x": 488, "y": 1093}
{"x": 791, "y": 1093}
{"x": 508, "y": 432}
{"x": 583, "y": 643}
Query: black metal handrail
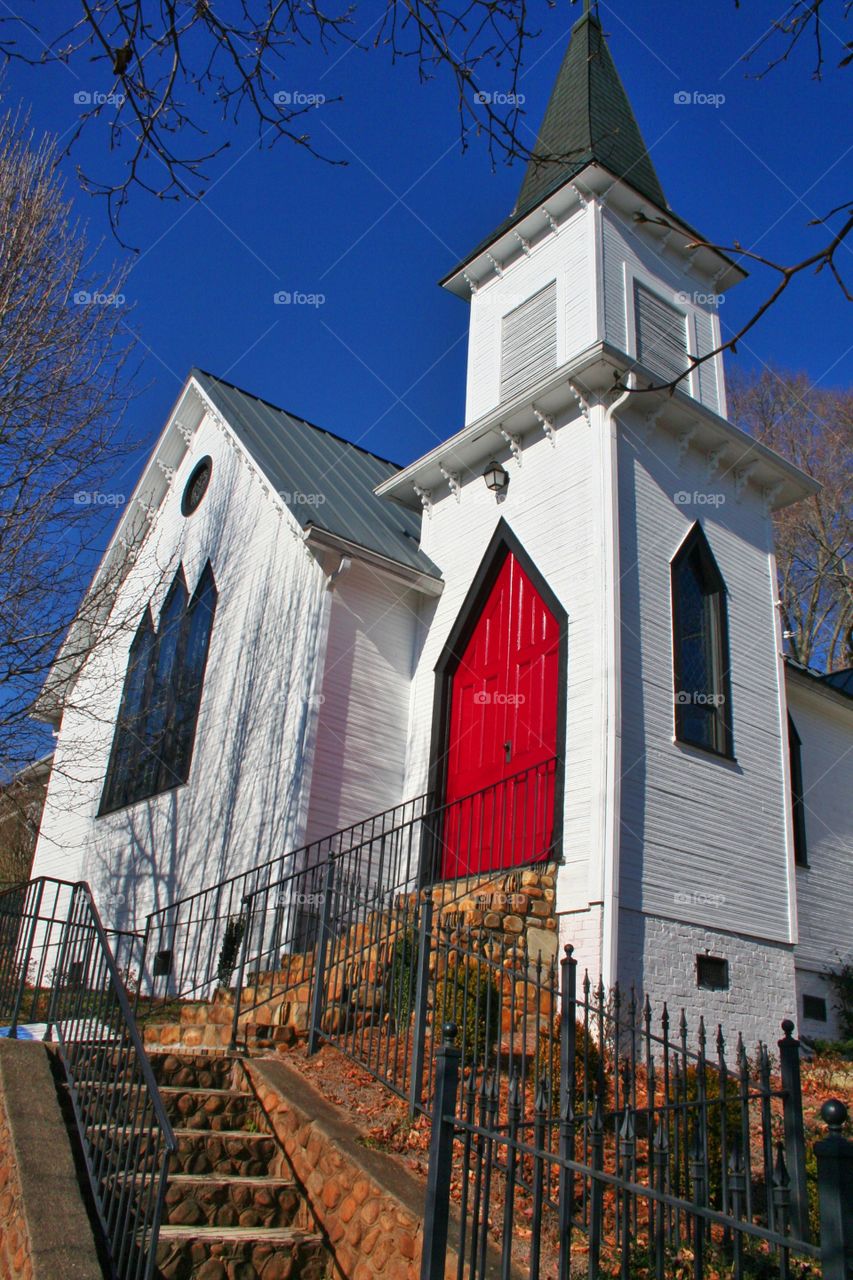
{"x": 57, "y": 967}
{"x": 182, "y": 950}
{"x": 325, "y": 917}
{"x": 186, "y": 951}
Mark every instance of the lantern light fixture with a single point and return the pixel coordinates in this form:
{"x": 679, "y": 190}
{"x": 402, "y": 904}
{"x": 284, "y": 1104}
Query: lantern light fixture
{"x": 496, "y": 477}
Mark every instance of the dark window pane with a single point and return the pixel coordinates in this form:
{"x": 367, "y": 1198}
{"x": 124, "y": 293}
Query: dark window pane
{"x": 199, "y": 626}
{"x": 712, "y": 973}
{"x": 130, "y": 723}
{"x": 700, "y": 647}
{"x": 152, "y": 745}
{"x": 798, "y": 806}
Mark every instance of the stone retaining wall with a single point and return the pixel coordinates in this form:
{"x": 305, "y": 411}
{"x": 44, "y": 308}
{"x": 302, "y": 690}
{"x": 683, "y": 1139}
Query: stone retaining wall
{"x": 15, "y": 1260}
{"x": 372, "y": 1232}
{"x": 45, "y": 1231}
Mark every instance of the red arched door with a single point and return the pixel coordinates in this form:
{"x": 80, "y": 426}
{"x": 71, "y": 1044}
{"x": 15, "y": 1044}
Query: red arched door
{"x": 502, "y": 735}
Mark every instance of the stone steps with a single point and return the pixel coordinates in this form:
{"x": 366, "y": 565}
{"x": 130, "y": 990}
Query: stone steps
{"x": 231, "y": 1153}
{"x": 212, "y": 1109}
{"x": 229, "y": 1202}
{"x": 232, "y": 1210}
{"x": 192, "y": 1253}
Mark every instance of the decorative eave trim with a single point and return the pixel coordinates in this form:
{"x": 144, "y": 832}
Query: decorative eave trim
{"x": 317, "y": 539}
{"x": 592, "y": 184}
{"x": 592, "y": 373}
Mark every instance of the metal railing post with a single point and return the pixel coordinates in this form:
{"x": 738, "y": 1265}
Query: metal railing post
{"x": 28, "y": 950}
{"x": 248, "y": 908}
{"x": 834, "y": 1180}
{"x": 60, "y": 967}
{"x": 319, "y": 989}
{"x": 795, "y": 1141}
{"x": 416, "y": 1085}
{"x": 437, "y": 1204}
{"x": 567, "y": 1094}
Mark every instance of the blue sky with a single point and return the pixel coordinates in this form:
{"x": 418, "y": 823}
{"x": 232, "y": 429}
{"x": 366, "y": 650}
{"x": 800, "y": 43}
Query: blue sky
{"x": 382, "y": 360}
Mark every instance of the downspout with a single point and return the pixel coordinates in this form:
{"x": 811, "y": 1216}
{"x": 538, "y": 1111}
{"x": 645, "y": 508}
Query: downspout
{"x": 613, "y": 680}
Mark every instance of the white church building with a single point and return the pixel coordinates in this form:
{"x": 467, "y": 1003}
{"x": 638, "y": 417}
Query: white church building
{"x": 288, "y": 634}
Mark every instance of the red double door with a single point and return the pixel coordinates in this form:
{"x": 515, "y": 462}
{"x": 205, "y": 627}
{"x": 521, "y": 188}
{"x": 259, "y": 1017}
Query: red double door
{"x": 502, "y": 733}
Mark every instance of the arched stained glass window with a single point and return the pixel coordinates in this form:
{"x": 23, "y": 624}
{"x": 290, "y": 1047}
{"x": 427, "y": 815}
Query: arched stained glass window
{"x": 700, "y": 648}
{"x": 130, "y": 723}
{"x": 153, "y": 740}
{"x": 191, "y": 677}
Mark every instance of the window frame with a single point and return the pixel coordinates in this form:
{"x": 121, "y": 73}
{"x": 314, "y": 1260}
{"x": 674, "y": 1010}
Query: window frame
{"x": 631, "y": 279}
{"x": 138, "y": 781}
{"x": 722, "y": 746}
{"x": 798, "y": 807}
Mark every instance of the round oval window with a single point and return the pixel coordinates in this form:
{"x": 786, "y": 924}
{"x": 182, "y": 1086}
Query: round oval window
{"x": 196, "y": 486}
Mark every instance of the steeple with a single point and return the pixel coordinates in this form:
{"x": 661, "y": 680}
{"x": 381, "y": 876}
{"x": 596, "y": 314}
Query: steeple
{"x": 588, "y": 119}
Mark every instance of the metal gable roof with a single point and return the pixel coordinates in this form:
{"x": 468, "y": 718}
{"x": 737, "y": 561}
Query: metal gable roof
{"x": 327, "y": 482}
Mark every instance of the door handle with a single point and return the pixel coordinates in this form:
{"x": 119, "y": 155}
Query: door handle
{"x": 508, "y": 751}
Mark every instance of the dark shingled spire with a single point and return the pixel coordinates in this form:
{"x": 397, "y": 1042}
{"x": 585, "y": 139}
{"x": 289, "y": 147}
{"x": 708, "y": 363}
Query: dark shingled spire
{"x": 589, "y": 119}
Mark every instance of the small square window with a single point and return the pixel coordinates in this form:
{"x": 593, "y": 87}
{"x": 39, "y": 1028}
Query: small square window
{"x": 814, "y": 1008}
{"x": 162, "y": 964}
{"x": 712, "y": 973}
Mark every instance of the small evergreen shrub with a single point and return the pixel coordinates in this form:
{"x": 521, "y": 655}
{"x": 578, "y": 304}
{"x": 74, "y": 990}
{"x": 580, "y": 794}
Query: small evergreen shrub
{"x": 467, "y": 994}
{"x": 841, "y": 984}
{"x": 403, "y": 975}
{"x": 230, "y": 950}
{"x": 689, "y": 1089}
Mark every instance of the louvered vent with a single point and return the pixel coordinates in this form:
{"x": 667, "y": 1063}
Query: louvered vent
{"x": 529, "y": 342}
{"x": 661, "y": 334}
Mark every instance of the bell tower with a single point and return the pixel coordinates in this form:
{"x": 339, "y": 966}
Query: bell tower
{"x": 591, "y": 264}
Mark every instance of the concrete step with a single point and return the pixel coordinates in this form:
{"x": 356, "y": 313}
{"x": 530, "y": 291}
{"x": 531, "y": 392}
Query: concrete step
{"x": 252, "y": 1253}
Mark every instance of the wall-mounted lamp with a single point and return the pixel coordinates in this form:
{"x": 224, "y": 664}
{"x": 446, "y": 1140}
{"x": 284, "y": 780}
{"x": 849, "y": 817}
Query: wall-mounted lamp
{"x": 496, "y": 477}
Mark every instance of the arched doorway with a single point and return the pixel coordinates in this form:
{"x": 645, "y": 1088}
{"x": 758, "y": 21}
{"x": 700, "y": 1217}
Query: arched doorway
{"x": 500, "y": 723}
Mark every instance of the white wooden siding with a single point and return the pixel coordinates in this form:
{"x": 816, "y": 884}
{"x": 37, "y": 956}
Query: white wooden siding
{"x": 628, "y": 256}
{"x": 359, "y": 761}
{"x": 825, "y": 913}
{"x": 703, "y": 840}
{"x": 246, "y": 795}
{"x": 563, "y": 258}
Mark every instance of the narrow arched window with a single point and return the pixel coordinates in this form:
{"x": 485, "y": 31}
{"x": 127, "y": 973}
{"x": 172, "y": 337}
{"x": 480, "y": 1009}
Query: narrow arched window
{"x": 155, "y": 771}
{"x": 153, "y": 740}
{"x": 188, "y": 694}
{"x": 798, "y": 807}
{"x": 700, "y": 648}
{"x": 130, "y": 723}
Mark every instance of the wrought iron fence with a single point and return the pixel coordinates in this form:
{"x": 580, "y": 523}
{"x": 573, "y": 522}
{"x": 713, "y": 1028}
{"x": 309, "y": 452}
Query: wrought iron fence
{"x": 187, "y": 943}
{"x": 57, "y": 967}
{"x": 607, "y": 1142}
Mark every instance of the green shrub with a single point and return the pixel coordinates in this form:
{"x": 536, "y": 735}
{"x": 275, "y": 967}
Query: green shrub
{"x": 834, "y": 1049}
{"x": 467, "y": 994}
{"x": 230, "y": 949}
{"x": 403, "y": 975}
{"x": 715, "y": 1108}
{"x": 841, "y": 984}
{"x": 588, "y": 1061}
